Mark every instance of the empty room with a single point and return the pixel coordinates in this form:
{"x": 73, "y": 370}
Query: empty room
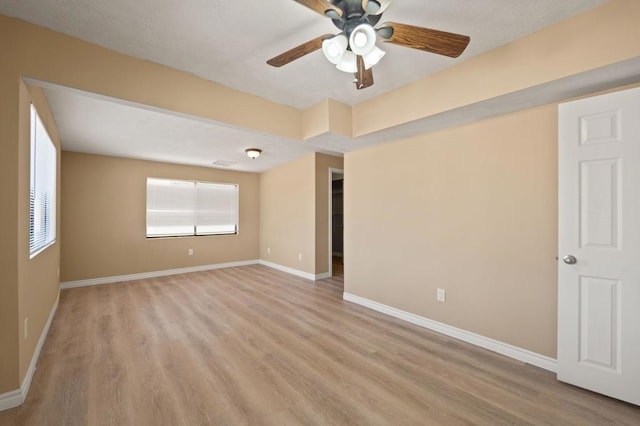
{"x": 319, "y": 212}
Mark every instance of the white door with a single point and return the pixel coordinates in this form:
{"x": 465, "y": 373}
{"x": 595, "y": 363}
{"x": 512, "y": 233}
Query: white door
{"x": 599, "y": 226}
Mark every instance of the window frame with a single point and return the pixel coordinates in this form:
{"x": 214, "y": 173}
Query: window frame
{"x": 195, "y": 211}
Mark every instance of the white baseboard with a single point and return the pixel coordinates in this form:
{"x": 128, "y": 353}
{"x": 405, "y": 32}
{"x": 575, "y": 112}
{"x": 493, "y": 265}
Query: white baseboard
{"x": 11, "y": 399}
{"x": 323, "y": 276}
{"x": 26, "y": 384}
{"x": 296, "y": 272}
{"x": 153, "y": 274}
{"x": 166, "y": 272}
{"x": 506, "y": 349}
{"x": 17, "y": 397}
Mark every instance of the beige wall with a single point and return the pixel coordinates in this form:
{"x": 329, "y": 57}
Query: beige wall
{"x": 9, "y": 145}
{"x": 472, "y": 210}
{"x": 323, "y": 164}
{"x": 326, "y": 116}
{"x": 287, "y": 214}
{"x": 294, "y": 208}
{"x": 315, "y": 119}
{"x": 104, "y": 219}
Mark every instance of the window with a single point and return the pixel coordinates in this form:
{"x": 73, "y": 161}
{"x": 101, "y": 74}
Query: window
{"x": 183, "y": 208}
{"x": 42, "y": 188}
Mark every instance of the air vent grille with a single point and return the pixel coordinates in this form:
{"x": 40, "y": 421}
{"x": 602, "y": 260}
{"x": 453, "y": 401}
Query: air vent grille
{"x": 224, "y": 163}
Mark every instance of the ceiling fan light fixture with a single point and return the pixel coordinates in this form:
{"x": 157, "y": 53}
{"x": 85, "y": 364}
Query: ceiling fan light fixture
{"x": 362, "y": 39}
{"x": 333, "y": 48}
{"x": 347, "y": 62}
{"x": 374, "y": 57}
{"x": 356, "y": 20}
{"x": 253, "y": 153}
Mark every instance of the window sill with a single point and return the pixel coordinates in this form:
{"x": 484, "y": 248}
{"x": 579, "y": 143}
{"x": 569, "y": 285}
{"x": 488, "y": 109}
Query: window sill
{"x": 40, "y": 250}
{"x": 166, "y": 237}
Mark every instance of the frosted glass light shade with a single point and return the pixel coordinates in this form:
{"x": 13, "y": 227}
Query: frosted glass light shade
{"x": 347, "y": 62}
{"x": 374, "y": 57}
{"x": 253, "y": 153}
{"x": 333, "y": 48}
{"x": 362, "y": 39}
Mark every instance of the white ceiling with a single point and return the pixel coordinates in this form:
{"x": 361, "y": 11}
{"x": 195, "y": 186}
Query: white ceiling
{"x": 229, "y": 42}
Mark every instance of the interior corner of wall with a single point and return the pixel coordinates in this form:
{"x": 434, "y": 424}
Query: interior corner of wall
{"x": 315, "y": 120}
{"x": 340, "y": 118}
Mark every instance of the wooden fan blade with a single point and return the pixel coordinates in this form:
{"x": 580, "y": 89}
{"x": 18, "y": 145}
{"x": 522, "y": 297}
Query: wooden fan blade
{"x": 320, "y": 6}
{"x": 364, "y": 77}
{"x": 375, "y": 7}
{"x": 298, "y": 51}
{"x": 434, "y": 41}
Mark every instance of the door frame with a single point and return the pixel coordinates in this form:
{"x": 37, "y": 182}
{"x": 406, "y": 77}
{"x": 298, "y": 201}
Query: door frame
{"x": 333, "y": 171}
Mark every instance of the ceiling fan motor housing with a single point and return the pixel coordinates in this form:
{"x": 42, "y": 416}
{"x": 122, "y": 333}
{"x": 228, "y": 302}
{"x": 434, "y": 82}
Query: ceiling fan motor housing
{"x": 353, "y": 15}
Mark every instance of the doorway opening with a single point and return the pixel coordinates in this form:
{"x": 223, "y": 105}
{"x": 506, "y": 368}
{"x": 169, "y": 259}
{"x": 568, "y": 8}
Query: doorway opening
{"x": 336, "y": 222}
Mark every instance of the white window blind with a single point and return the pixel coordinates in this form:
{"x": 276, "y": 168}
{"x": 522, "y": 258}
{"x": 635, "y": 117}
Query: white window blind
{"x": 181, "y": 208}
{"x": 42, "y": 188}
{"x": 217, "y": 208}
{"x": 170, "y": 207}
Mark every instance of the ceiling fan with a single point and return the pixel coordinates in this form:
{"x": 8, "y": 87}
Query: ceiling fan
{"x": 354, "y": 49}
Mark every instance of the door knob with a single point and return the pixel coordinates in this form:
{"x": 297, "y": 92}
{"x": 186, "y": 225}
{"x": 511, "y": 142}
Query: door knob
{"x": 569, "y": 259}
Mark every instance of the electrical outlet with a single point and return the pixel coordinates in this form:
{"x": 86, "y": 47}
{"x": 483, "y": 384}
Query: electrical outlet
{"x": 440, "y": 295}
{"x": 190, "y": 252}
{"x": 268, "y": 250}
{"x": 26, "y": 327}
{"x": 300, "y": 257}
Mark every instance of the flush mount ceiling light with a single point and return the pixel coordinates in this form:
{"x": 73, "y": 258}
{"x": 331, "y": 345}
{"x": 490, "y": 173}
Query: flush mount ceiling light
{"x": 354, "y": 50}
{"x": 253, "y": 153}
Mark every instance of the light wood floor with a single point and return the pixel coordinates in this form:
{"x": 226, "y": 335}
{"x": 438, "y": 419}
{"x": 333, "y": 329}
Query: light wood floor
{"x": 252, "y": 345}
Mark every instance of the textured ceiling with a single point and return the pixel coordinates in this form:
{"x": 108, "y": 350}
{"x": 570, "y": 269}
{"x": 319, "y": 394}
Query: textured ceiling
{"x": 230, "y": 41}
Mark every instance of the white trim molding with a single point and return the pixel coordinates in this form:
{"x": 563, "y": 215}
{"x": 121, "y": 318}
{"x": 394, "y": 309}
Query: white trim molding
{"x": 502, "y": 348}
{"x": 17, "y": 397}
{"x": 296, "y": 272}
{"x": 153, "y": 274}
{"x": 323, "y": 276}
{"x": 166, "y": 272}
{"x": 26, "y": 384}
{"x": 11, "y": 399}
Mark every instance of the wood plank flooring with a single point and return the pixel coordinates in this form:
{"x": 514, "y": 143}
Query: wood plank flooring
{"x": 252, "y": 345}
